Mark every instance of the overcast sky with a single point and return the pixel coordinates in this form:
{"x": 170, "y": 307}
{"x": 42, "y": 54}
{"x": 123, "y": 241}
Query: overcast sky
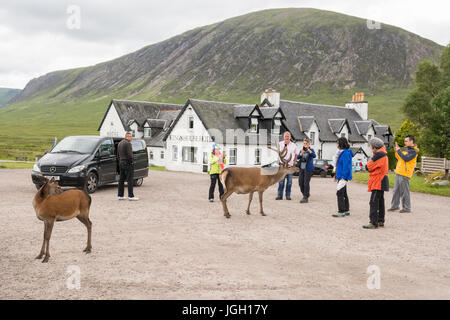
{"x": 37, "y": 37}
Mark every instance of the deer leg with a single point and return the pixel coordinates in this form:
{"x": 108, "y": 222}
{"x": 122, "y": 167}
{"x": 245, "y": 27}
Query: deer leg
{"x": 85, "y": 220}
{"x": 260, "y": 193}
{"x": 41, "y": 254}
{"x": 47, "y": 236}
{"x": 250, "y": 197}
{"x": 224, "y": 203}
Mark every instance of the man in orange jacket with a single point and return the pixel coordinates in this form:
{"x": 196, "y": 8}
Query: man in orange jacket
{"x": 378, "y": 168}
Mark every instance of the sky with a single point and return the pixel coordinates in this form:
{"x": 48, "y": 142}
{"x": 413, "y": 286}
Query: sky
{"x": 38, "y": 37}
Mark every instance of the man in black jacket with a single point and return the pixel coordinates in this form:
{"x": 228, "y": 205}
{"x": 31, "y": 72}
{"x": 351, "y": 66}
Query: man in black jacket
{"x": 126, "y": 167}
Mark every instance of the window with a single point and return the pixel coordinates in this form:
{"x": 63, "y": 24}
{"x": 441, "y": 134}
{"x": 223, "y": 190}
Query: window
{"x": 257, "y": 156}
{"x": 254, "y": 125}
{"x": 147, "y": 132}
{"x": 233, "y": 156}
{"x": 276, "y": 126}
{"x": 191, "y": 122}
{"x": 369, "y": 137}
{"x": 174, "y": 153}
{"x": 162, "y": 154}
{"x": 312, "y": 137}
{"x": 189, "y": 154}
{"x": 133, "y": 133}
{"x": 106, "y": 146}
{"x": 151, "y": 155}
{"x": 138, "y": 146}
{"x": 343, "y": 135}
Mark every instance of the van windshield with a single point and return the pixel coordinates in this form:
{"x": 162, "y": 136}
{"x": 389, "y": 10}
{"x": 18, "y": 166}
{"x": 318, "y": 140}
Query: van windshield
{"x": 76, "y": 144}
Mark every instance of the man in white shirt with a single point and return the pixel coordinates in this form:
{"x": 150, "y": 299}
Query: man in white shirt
{"x": 292, "y": 153}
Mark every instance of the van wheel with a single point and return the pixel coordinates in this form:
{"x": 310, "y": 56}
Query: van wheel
{"x": 138, "y": 182}
{"x": 91, "y": 183}
{"x": 323, "y": 174}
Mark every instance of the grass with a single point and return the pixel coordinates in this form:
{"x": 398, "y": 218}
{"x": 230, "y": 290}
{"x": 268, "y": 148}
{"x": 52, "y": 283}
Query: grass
{"x": 157, "y": 168}
{"x": 15, "y": 165}
{"x": 417, "y": 184}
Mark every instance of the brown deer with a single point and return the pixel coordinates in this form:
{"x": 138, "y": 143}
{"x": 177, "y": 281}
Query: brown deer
{"x": 250, "y": 180}
{"x": 51, "y": 204}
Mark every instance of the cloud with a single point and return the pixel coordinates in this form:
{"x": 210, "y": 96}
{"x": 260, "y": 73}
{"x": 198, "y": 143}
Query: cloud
{"x": 36, "y": 40}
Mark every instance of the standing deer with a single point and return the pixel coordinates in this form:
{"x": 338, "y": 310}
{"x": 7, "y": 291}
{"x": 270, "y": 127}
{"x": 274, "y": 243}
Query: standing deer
{"x": 250, "y": 180}
{"x": 52, "y": 204}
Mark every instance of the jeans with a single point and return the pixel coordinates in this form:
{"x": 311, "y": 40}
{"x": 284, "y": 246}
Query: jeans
{"x": 377, "y": 207}
{"x": 126, "y": 174}
{"x": 214, "y": 178}
{"x": 401, "y": 192}
{"x": 304, "y": 178}
{"x": 288, "y": 186}
{"x": 342, "y": 199}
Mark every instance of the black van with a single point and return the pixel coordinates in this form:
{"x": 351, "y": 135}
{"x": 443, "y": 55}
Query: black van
{"x": 87, "y": 162}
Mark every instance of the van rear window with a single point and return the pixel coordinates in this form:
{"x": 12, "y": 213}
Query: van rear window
{"x": 138, "y": 145}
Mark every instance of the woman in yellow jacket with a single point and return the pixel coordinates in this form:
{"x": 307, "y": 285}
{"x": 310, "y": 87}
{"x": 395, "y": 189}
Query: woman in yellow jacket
{"x": 406, "y": 162}
{"x": 216, "y": 163}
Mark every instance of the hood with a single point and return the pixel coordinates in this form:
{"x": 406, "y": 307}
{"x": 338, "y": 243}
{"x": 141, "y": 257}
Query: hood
{"x": 382, "y": 149}
{"x": 415, "y": 148}
{"x": 63, "y": 159}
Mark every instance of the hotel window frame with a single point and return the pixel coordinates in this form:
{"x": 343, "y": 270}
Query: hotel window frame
{"x": 254, "y": 125}
{"x": 174, "y": 153}
{"x": 232, "y": 157}
{"x": 191, "y": 122}
{"x": 258, "y": 156}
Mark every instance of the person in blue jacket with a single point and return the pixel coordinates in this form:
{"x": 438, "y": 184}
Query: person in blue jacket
{"x": 306, "y": 166}
{"x": 343, "y": 176}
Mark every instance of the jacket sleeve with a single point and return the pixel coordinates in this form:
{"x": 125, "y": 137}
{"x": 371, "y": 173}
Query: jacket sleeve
{"x": 313, "y": 153}
{"x": 410, "y": 154}
{"x": 212, "y": 159}
{"x": 373, "y": 165}
{"x": 130, "y": 152}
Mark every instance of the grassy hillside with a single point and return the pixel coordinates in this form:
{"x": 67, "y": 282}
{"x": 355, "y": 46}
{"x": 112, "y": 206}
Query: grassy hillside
{"x": 7, "y": 94}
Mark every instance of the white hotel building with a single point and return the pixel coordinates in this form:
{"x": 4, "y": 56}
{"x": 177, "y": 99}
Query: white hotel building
{"x": 180, "y": 137}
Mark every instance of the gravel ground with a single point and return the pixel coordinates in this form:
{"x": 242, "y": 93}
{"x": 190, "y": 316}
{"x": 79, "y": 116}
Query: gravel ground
{"x": 174, "y": 244}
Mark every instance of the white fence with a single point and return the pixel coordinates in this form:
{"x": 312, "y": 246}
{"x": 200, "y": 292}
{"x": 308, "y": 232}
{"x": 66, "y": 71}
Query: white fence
{"x": 431, "y": 165}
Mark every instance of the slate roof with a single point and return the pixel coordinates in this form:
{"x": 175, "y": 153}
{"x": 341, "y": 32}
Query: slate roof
{"x": 139, "y": 111}
{"x": 363, "y": 126}
{"x": 305, "y": 123}
{"x": 321, "y": 113}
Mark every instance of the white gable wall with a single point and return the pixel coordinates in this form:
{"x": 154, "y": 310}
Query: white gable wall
{"x": 112, "y": 125}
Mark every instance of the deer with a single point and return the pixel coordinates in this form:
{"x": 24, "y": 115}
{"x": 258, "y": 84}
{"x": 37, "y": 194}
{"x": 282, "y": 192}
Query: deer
{"x": 52, "y": 204}
{"x": 250, "y": 180}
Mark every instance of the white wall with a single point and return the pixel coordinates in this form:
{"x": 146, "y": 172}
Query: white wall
{"x": 157, "y": 161}
{"x": 360, "y": 107}
{"x": 112, "y": 125}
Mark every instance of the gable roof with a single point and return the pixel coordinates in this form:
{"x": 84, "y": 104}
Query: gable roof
{"x": 305, "y": 123}
{"x": 139, "y": 111}
{"x": 363, "y": 126}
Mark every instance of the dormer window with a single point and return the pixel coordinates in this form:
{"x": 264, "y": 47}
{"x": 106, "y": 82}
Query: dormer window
{"x": 254, "y": 125}
{"x": 147, "y": 132}
{"x": 276, "y": 126}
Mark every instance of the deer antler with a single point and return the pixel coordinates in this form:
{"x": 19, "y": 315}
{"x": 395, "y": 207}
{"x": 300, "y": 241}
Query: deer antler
{"x": 282, "y": 154}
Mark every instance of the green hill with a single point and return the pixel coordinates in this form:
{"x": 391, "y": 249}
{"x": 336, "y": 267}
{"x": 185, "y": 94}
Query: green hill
{"x": 306, "y": 54}
{"x": 7, "y": 94}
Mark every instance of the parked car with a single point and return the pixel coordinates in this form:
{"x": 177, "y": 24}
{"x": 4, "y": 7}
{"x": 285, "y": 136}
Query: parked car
{"x": 87, "y": 162}
{"x": 323, "y": 167}
{"x": 358, "y": 166}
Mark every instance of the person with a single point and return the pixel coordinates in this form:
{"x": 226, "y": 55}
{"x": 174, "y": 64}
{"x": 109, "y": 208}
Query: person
{"x": 342, "y": 176}
{"x": 216, "y": 162}
{"x": 291, "y": 148}
{"x": 406, "y": 162}
{"x": 306, "y": 165}
{"x": 378, "y": 168}
{"x": 126, "y": 167}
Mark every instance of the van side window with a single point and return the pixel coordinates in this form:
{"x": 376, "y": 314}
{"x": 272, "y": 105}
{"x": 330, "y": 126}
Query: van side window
{"x": 107, "y": 146}
{"x": 138, "y": 146}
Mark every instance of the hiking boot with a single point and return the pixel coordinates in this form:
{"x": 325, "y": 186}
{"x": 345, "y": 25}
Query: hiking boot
{"x": 304, "y": 200}
{"x": 279, "y": 198}
{"x": 380, "y": 224}
{"x": 288, "y": 198}
{"x": 370, "y": 226}
{"x": 338, "y": 214}
{"x": 403, "y": 211}
{"x": 392, "y": 209}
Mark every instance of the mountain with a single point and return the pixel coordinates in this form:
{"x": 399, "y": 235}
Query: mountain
{"x": 7, "y": 94}
{"x": 307, "y": 54}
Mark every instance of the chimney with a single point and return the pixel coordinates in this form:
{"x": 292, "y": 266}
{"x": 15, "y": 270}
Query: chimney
{"x": 273, "y": 96}
{"x": 359, "y": 105}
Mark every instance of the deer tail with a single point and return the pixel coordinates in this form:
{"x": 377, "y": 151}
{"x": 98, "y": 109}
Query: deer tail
{"x": 224, "y": 177}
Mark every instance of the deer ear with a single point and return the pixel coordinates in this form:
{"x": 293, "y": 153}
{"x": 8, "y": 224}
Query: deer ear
{"x": 52, "y": 180}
